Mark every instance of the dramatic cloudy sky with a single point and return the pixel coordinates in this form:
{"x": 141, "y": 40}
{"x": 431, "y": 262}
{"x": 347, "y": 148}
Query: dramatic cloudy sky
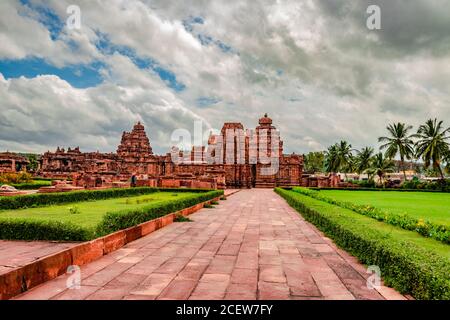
{"x": 312, "y": 65}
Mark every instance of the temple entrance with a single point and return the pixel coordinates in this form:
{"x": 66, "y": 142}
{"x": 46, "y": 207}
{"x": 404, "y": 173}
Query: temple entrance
{"x": 253, "y": 172}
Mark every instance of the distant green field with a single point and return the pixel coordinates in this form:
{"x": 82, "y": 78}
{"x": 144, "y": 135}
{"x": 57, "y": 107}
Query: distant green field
{"x": 434, "y": 207}
{"x": 91, "y": 212}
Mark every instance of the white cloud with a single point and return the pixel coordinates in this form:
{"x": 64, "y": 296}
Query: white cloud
{"x": 312, "y": 65}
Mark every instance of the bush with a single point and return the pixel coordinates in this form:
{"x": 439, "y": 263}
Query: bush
{"x": 404, "y": 221}
{"x": 11, "y": 178}
{"x": 33, "y": 185}
{"x": 40, "y": 200}
{"x": 406, "y": 266}
{"x": 29, "y": 230}
{"x": 364, "y": 183}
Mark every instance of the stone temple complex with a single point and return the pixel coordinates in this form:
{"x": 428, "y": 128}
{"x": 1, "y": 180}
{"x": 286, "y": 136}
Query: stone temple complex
{"x": 236, "y": 158}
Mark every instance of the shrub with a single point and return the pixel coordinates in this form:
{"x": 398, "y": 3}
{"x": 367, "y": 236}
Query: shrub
{"x": 15, "y": 178}
{"x": 40, "y": 200}
{"x": 33, "y": 185}
{"x": 406, "y": 266}
{"x": 404, "y": 221}
{"x": 29, "y": 230}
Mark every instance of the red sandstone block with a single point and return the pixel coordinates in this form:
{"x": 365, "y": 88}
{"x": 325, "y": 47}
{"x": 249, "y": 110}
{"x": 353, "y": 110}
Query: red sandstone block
{"x": 168, "y": 219}
{"x": 133, "y": 233}
{"x": 126, "y": 280}
{"x": 172, "y": 266}
{"x": 109, "y": 294}
{"x": 46, "y": 290}
{"x": 210, "y": 290}
{"x": 178, "y": 289}
{"x": 272, "y": 291}
{"x": 102, "y": 277}
{"x": 137, "y": 297}
{"x": 221, "y": 264}
{"x": 270, "y": 260}
{"x": 241, "y": 288}
{"x": 229, "y": 249}
{"x": 87, "y": 252}
{"x": 114, "y": 241}
{"x": 269, "y": 273}
{"x": 153, "y": 285}
{"x": 244, "y": 276}
{"x": 148, "y": 227}
{"x": 77, "y": 294}
{"x": 193, "y": 271}
{"x": 54, "y": 265}
{"x": 215, "y": 277}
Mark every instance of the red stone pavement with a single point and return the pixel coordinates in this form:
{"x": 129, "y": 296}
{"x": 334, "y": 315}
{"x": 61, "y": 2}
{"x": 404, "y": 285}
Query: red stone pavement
{"x": 251, "y": 246}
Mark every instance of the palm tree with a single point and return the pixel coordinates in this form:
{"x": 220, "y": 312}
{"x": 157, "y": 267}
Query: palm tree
{"x": 398, "y": 142}
{"x": 432, "y": 145}
{"x": 344, "y": 156}
{"x": 331, "y": 163}
{"x": 363, "y": 159}
{"x": 380, "y": 166}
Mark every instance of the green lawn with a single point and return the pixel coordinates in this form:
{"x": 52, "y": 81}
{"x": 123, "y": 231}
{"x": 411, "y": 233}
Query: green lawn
{"x": 434, "y": 207}
{"x": 91, "y": 212}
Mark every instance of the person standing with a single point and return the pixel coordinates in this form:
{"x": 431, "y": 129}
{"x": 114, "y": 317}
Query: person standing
{"x": 133, "y": 181}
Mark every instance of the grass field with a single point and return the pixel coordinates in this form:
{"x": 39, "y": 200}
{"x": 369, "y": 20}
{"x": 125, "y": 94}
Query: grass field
{"x": 434, "y": 207}
{"x": 91, "y": 212}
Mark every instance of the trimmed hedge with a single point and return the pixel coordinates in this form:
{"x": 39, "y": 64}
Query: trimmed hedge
{"x": 118, "y": 220}
{"x": 32, "y": 185}
{"x": 29, "y": 229}
{"x": 406, "y": 266}
{"x": 47, "y": 199}
{"x": 425, "y": 228}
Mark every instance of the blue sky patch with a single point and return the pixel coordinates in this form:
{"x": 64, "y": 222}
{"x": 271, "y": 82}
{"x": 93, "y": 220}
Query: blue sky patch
{"x": 47, "y": 17}
{"x": 79, "y": 76}
{"x": 105, "y": 46}
{"x": 204, "y": 102}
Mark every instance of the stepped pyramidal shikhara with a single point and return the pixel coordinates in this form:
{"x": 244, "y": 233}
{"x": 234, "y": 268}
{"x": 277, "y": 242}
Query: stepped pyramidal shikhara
{"x": 236, "y": 158}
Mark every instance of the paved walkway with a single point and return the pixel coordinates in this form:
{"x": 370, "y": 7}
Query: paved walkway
{"x": 251, "y": 246}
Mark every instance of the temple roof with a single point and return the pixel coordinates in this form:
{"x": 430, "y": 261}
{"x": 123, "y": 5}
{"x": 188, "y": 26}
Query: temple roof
{"x": 265, "y": 120}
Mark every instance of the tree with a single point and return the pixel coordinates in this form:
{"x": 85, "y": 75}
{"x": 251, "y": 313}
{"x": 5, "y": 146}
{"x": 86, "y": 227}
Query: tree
{"x": 379, "y": 165}
{"x": 363, "y": 159}
{"x": 447, "y": 161}
{"x": 33, "y": 162}
{"x": 398, "y": 142}
{"x": 432, "y": 145}
{"x": 339, "y": 157}
{"x": 331, "y": 162}
{"x": 314, "y": 162}
{"x": 344, "y": 157}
